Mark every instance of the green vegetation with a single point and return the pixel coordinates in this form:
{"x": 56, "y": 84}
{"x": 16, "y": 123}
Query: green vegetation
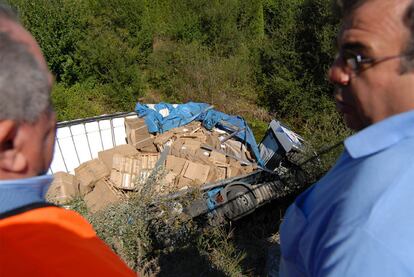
{"x": 158, "y": 240}
{"x": 260, "y": 59}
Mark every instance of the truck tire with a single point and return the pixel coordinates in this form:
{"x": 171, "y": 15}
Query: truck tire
{"x": 239, "y": 200}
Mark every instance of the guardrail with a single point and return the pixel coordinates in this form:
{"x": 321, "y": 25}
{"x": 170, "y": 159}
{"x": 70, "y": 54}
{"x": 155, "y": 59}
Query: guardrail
{"x": 80, "y": 140}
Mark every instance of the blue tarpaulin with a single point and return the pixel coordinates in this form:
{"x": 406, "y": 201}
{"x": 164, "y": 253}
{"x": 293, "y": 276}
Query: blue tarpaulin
{"x": 163, "y": 117}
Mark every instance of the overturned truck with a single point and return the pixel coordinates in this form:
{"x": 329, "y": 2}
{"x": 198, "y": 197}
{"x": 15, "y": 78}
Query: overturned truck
{"x": 196, "y": 148}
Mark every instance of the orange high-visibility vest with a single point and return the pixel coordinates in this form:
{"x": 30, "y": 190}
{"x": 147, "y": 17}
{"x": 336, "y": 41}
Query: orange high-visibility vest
{"x": 44, "y": 240}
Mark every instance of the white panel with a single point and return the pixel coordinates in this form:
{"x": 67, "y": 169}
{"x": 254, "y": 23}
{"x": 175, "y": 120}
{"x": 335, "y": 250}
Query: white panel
{"x": 78, "y": 129}
{"x": 68, "y": 149}
{"x": 57, "y": 163}
{"x": 63, "y": 132}
{"x": 89, "y": 137}
{"x": 106, "y": 134}
{"x": 132, "y": 116}
{"x": 94, "y": 137}
{"x": 119, "y": 130}
{"x": 81, "y": 142}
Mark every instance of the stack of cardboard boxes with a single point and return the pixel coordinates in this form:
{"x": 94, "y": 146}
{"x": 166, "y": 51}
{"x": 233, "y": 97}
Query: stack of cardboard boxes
{"x": 195, "y": 156}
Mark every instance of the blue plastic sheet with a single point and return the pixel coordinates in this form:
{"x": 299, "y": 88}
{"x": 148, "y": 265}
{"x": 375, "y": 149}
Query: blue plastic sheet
{"x": 163, "y": 117}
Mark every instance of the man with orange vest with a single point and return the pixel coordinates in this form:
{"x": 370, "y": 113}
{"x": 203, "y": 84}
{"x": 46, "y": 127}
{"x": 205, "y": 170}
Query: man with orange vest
{"x": 36, "y": 238}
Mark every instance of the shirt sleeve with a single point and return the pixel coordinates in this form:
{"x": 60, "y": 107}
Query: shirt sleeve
{"x": 356, "y": 253}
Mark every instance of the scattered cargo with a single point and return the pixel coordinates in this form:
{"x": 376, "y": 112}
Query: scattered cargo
{"x": 212, "y": 159}
{"x": 65, "y": 187}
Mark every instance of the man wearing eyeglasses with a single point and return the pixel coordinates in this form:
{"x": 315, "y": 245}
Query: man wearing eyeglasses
{"x": 358, "y": 220}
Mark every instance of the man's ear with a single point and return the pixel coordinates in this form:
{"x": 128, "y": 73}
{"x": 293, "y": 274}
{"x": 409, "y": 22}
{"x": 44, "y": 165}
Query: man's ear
{"x": 11, "y": 159}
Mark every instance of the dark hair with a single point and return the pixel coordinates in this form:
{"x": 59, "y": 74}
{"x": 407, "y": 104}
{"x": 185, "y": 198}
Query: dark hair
{"x": 346, "y": 7}
{"x": 408, "y": 62}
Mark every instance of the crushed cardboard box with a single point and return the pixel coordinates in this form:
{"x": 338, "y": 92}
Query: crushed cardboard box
{"x": 175, "y": 164}
{"x": 89, "y": 173}
{"x": 195, "y": 171}
{"x": 102, "y": 195}
{"x": 123, "y": 180}
{"x": 64, "y": 188}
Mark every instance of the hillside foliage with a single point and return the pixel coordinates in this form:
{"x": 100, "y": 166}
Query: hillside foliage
{"x": 255, "y": 58}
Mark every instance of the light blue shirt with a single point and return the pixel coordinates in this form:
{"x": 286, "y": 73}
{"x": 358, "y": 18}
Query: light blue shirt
{"x": 358, "y": 220}
{"x": 21, "y": 192}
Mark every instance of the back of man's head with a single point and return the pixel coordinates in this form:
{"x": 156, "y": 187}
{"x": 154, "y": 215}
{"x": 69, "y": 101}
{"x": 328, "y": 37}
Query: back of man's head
{"x": 24, "y": 84}
{"x": 26, "y": 119}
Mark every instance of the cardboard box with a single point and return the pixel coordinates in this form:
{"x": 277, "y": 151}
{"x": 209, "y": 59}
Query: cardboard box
{"x": 196, "y": 171}
{"x": 123, "y": 180}
{"x": 200, "y": 137}
{"x": 217, "y": 157}
{"x": 234, "y": 171}
{"x": 213, "y": 174}
{"x": 202, "y": 156}
{"x": 183, "y": 182}
{"x": 191, "y": 127}
{"x": 137, "y": 133}
{"x": 161, "y": 139}
{"x": 189, "y": 149}
{"x": 64, "y": 187}
{"x": 135, "y": 163}
{"x": 127, "y": 170}
{"x": 170, "y": 177}
{"x": 89, "y": 173}
{"x": 106, "y": 156}
{"x": 102, "y": 195}
{"x": 222, "y": 172}
{"x": 149, "y": 149}
{"x": 126, "y": 163}
{"x": 213, "y": 141}
{"x": 176, "y": 147}
{"x": 175, "y": 164}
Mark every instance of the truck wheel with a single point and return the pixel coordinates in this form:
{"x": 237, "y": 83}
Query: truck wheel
{"x": 239, "y": 200}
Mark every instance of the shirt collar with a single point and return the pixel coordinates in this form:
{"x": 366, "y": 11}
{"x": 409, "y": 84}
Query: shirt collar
{"x": 381, "y": 135}
{"x": 20, "y": 192}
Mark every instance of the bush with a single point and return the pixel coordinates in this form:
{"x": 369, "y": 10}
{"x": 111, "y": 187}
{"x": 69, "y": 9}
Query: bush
{"x": 81, "y": 100}
{"x": 58, "y": 26}
{"x": 184, "y": 72}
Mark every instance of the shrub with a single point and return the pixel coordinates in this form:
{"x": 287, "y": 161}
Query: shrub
{"x": 81, "y": 100}
{"x": 57, "y": 25}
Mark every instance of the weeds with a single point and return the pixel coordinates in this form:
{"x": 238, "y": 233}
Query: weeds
{"x": 157, "y": 239}
{"x": 217, "y": 245}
